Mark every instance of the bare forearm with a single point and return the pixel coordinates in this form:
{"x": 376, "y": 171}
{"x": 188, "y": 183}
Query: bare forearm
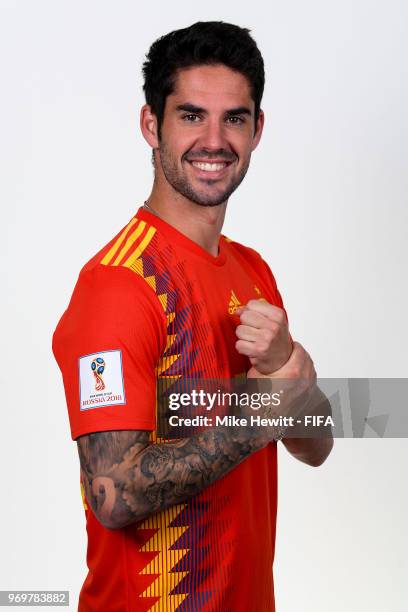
{"x": 146, "y": 479}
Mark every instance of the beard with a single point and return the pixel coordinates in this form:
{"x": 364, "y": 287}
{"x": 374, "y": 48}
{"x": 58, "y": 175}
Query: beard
{"x": 181, "y": 183}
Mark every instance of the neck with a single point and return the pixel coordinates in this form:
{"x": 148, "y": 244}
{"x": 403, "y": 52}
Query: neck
{"x": 202, "y": 224}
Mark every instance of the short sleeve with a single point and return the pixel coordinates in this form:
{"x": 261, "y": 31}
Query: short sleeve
{"x": 107, "y": 345}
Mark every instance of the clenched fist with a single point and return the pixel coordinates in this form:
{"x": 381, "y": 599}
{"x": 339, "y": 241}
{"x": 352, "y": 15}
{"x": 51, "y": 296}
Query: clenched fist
{"x": 263, "y": 336}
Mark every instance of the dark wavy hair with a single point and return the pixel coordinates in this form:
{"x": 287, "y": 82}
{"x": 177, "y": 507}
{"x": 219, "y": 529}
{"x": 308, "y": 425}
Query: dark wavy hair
{"x": 204, "y": 42}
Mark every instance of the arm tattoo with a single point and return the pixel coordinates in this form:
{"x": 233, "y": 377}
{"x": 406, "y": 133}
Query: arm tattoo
{"x": 100, "y": 454}
{"x": 127, "y": 479}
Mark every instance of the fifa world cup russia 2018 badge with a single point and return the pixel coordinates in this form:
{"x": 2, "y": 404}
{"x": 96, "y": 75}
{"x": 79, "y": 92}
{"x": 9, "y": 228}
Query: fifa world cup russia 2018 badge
{"x": 101, "y": 382}
{"x": 98, "y": 367}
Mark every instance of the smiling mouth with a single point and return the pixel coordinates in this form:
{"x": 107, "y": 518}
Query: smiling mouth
{"x": 209, "y": 166}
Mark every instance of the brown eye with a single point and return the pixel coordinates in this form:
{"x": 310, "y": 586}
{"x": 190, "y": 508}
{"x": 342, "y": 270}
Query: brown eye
{"x": 235, "y": 120}
{"x": 190, "y": 118}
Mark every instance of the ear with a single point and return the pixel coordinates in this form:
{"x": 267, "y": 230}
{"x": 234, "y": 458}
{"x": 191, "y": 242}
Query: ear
{"x": 148, "y": 126}
{"x": 259, "y": 128}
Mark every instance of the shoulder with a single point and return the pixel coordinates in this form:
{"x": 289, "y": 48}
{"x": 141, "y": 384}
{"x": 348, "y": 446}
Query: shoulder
{"x": 115, "y": 289}
{"x": 128, "y": 264}
{"x": 139, "y": 256}
{"x": 125, "y": 247}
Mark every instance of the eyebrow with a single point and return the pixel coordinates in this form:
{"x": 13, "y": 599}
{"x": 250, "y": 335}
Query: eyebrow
{"x": 192, "y": 108}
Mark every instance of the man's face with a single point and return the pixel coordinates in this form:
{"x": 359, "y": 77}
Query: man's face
{"x": 208, "y": 133}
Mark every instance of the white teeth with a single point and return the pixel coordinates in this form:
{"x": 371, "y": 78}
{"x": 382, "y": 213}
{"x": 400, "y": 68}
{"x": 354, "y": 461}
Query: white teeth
{"x": 208, "y": 167}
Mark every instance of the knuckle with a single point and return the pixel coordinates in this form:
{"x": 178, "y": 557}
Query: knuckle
{"x": 280, "y": 316}
{"x": 275, "y": 329}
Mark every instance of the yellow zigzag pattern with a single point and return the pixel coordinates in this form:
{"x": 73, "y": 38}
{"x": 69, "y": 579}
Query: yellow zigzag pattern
{"x": 166, "y": 559}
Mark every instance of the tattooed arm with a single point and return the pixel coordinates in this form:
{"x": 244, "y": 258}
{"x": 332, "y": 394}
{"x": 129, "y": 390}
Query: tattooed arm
{"x": 126, "y": 479}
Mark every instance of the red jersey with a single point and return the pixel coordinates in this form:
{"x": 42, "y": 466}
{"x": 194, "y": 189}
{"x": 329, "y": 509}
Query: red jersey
{"x": 153, "y": 303}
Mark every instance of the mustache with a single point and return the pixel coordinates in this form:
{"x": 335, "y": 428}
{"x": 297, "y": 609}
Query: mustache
{"x": 219, "y": 154}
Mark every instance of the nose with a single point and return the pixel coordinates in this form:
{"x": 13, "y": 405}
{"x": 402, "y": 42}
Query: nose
{"x": 213, "y": 136}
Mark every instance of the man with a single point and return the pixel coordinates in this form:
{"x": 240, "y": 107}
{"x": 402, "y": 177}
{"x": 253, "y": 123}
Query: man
{"x": 188, "y": 523}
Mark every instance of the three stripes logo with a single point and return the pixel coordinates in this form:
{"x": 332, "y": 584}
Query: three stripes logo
{"x": 234, "y": 303}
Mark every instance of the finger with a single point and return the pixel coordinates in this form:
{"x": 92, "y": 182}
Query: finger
{"x": 257, "y": 320}
{"x": 245, "y": 348}
{"x": 246, "y": 332}
{"x": 239, "y": 310}
{"x": 268, "y": 310}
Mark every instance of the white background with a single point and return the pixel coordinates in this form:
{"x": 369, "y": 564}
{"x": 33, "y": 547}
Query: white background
{"x": 325, "y": 202}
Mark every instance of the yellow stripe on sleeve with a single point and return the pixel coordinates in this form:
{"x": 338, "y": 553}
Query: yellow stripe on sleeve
{"x": 141, "y": 247}
{"x": 129, "y": 242}
{"x": 118, "y": 242}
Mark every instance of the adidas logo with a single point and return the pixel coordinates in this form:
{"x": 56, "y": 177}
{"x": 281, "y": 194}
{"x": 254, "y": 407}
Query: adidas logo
{"x": 233, "y": 303}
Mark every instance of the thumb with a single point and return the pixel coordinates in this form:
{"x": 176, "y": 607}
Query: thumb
{"x": 239, "y": 310}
